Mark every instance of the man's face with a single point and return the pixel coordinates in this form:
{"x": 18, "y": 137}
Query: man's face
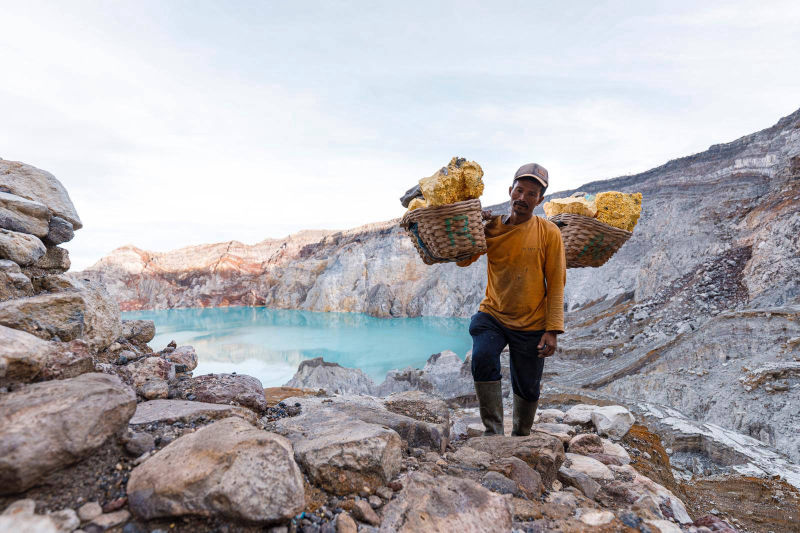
{"x": 525, "y": 195}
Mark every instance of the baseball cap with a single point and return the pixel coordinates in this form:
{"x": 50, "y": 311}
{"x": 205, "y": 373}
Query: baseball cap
{"x": 533, "y": 170}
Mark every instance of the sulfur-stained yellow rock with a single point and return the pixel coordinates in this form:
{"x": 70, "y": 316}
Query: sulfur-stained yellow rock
{"x": 619, "y": 209}
{"x": 416, "y": 203}
{"x": 460, "y": 180}
{"x": 578, "y": 206}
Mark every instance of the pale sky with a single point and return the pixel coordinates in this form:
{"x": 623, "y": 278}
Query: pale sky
{"x": 176, "y": 123}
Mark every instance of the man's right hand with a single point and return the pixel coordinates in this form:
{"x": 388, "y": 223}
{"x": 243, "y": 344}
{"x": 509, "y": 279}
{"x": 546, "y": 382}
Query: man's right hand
{"x": 486, "y": 215}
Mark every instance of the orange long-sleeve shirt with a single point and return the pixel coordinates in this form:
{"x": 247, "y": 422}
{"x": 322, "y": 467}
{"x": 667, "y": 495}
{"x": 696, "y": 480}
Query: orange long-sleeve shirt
{"x": 526, "y": 273}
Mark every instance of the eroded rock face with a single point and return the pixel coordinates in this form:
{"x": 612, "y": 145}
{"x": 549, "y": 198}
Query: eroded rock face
{"x": 342, "y": 454}
{"x": 39, "y": 186}
{"x": 445, "y": 503}
{"x": 228, "y": 468}
{"x": 21, "y": 248}
{"x": 240, "y": 389}
{"x": 47, "y": 426}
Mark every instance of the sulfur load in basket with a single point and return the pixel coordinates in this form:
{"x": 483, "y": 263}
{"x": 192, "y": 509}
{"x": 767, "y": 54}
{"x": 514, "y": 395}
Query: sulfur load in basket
{"x": 594, "y": 227}
{"x": 444, "y": 218}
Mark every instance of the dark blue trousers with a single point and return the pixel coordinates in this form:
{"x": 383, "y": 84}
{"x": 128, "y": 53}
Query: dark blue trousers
{"x": 489, "y": 337}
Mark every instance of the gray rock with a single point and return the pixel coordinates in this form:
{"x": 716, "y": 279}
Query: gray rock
{"x": 21, "y": 248}
{"x": 59, "y": 231}
{"x": 589, "y": 466}
{"x": 109, "y": 520}
{"x": 445, "y": 503}
{"x": 228, "y": 468}
{"x": 243, "y": 390}
{"x": 497, "y": 482}
{"x": 154, "y": 389}
{"x": 66, "y": 520}
{"x": 47, "y": 426}
{"x": 23, "y": 215}
{"x": 147, "y": 369}
{"x": 581, "y": 481}
{"x": 362, "y": 510}
{"x": 171, "y": 411}
{"x": 21, "y": 507}
{"x": 528, "y": 479}
{"x": 48, "y": 316}
{"x": 39, "y": 186}
{"x": 338, "y": 460}
{"x": 612, "y": 421}
{"x": 54, "y": 261}
{"x": 318, "y": 374}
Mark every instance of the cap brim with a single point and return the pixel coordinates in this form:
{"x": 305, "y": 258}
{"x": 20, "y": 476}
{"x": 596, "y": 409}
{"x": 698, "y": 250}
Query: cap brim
{"x": 533, "y": 176}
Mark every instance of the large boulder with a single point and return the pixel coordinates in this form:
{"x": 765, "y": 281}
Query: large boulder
{"x": 22, "y": 248}
{"x": 446, "y": 503}
{"x": 25, "y": 358}
{"x": 543, "y": 452}
{"x": 318, "y": 374}
{"x": 171, "y": 411}
{"x": 47, "y": 426}
{"x": 85, "y": 311}
{"x": 239, "y": 389}
{"x": 40, "y": 186}
{"x": 23, "y": 215}
{"x": 13, "y": 283}
{"x": 342, "y": 454}
{"x": 612, "y": 421}
{"x": 228, "y": 468}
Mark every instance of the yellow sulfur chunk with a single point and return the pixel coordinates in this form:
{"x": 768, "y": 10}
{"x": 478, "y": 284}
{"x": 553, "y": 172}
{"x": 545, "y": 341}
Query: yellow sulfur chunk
{"x": 619, "y": 209}
{"x": 578, "y": 206}
{"x": 416, "y": 203}
{"x": 460, "y": 180}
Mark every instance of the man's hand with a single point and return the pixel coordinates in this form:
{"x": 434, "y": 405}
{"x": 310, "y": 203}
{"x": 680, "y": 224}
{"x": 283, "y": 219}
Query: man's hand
{"x": 548, "y": 344}
{"x": 486, "y": 215}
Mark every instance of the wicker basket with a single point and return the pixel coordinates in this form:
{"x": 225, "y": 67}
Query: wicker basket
{"x": 587, "y": 241}
{"x": 447, "y": 233}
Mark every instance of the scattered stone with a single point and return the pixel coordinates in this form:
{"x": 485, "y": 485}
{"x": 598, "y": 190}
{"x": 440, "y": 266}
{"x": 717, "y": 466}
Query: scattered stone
{"x": 29, "y": 523}
{"x": 115, "y": 504}
{"x": 185, "y": 355}
{"x": 140, "y": 443}
{"x": 89, "y": 511}
{"x": 526, "y": 509}
{"x": 592, "y": 517}
{"x": 21, "y": 248}
{"x": 497, "y": 482}
{"x": 20, "y": 507}
{"x": 364, "y": 512}
{"x": 59, "y": 231}
{"x": 243, "y": 390}
{"x": 579, "y": 414}
{"x": 138, "y": 331}
{"x": 345, "y": 524}
{"x": 171, "y": 411}
{"x": 154, "y": 389}
{"x": 384, "y": 492}
{"x": 446, "y": 503}
{"x": 227, "y": 468}
{"x": 342, "y": 462}
{"x": 664, "y": 526}
{"x": 612, "y": 421}
{"x": 615, "y": 450}
{"x": 585, "y": 444}
{"x": 375, "y": 501}
{"x": 47, "y": 426}
{"x": 591, "y": 467}
{"x": 109, "y": 520}
{"x": 420, "y": 406}
{"x": 580, "y": 480}
{"x": 66, "y": 520}
{"x": 563, "y": 432}
{"x": 471, "y": 457}
{"x": 543, "y": 452}
{"x": 550, "y": 416}
{"x": 528, "y": 479}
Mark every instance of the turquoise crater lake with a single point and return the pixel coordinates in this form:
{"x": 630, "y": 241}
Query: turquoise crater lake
{"x": 270, "y": 343}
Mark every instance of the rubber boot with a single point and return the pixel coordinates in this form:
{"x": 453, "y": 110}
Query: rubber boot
{"x": 524, "y": 411}
{"x": 490, "y": 400}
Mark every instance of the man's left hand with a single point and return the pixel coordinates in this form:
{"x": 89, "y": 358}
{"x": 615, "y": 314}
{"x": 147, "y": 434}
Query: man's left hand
{"x": 548, "y": 344}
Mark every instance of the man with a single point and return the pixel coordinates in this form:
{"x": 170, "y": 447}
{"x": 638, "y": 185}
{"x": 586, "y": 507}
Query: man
{"x": 524, "y": 303}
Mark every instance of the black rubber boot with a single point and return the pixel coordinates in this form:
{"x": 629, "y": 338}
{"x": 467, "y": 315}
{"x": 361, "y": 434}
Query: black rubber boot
{"x": 490, "y": 399}
{"x": 524, "y": 411}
